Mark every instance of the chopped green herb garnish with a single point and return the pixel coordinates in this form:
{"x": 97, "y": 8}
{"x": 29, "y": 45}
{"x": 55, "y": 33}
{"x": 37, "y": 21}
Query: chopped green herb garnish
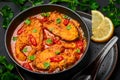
{"x": 49, "y": 41}
{"x": 24, "y": 50}
{"x": 46, "y": 65}
{"x": 57, "y": 52}
{"x": 65, "y": 16}
{"x": 78, "y": 50}
{"x": 68, "y": 27}
{"x": 45, "y": 14}
{"x": 27, "y": 21}
{"x": 34, "y": 30}
{"x": 58, "y": 20}
{"x": 31, "y": 57}
{"x": 14, "y": 38}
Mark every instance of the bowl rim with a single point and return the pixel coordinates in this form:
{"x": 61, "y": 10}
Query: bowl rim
{"x": 88, "y": 39}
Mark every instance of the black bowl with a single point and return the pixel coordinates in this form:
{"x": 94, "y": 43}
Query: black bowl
{"x": 39, "y": 9}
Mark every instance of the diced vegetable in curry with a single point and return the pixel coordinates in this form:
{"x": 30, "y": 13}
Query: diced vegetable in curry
{"x": 48, "y": 42}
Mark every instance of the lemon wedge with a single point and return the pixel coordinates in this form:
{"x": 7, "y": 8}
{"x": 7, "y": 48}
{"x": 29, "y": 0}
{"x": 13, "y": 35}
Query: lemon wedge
{"x": 97, "y": 18}
{"x": 102, "y": 27}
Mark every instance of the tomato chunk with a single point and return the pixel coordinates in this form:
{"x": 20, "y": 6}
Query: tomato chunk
{"x": 56, "y": 58}
{"x": 32, "y": 40}
{"x": 79, "y": 44}
{"x": 27, "y": 66}
{"x": 20, "y": 31}
{"x": 66, "y": 21}
{"x": 56, "y": 40}
{"x": 44, "y": 19}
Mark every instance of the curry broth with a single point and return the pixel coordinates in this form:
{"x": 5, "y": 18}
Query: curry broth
{"x": 48, "y": 42}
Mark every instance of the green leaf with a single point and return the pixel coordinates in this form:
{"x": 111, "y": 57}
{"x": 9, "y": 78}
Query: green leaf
{"x": 65, "y": 16}
{"x": 25, "y": 50}
{"x": 68, "y": 27}
{"x": 27, "y": 21}
{"x": 3, "y": 60}
{"x": 14, "y": 38}
{"x": 36, "y": 2}
{"x": 19, "y": 2}
{"x": 54, "y": 1}
{"x": 77, "y": 50}
{"x": 87, "y": 5}
{"x": 94, "y": 6}
{"x": 7, "y": 65}
{"x": 31, "y": 57}
{"x": 46, "y": 65}
{"x": 117, "y": 1}
{"x": 72, "y": 4}
{"x": 5, "y": 23}
{"x": 57, "y": 52}
{"x": 34, "y": 30}
{"x": 9, "y": 76}
{"x": 1, "y": 71}
{"x": 11, "y": 15}
{"x": 49, "y": 41}
{"x": 24, "y": 8}
{"x": 47, "y": 14}
{"x": 10, "y": 66}
{"x": 58, "y": 20}
{"x": 7, "y": 17}
{"x": 112, "y": 12}
{"x": 5, "y": 70}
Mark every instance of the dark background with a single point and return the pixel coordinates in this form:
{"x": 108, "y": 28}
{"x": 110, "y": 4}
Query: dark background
{"x": 115, "y": 75}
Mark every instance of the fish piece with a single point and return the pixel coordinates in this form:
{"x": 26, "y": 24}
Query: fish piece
{"x": 68, "y": 34}
{"x": 45, "y": 56}
{"x": 24, "y": 39}
{"x": 19, "y": 54}
{"x": 57, "y": 26}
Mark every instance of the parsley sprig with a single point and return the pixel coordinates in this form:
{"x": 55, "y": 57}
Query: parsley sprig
{"x": 6, "y": 70}
{"x": 87, "y": 5}
{"x": 7, "y": 14}
{"x": 113, "y": 12}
